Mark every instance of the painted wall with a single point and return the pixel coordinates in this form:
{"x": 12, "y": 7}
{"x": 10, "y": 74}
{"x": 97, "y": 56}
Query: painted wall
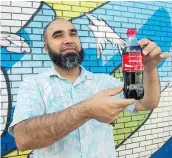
{"x": 102, "y": 29}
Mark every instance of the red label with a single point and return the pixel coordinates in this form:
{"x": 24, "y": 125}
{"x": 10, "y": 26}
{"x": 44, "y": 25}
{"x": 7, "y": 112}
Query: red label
{"x": 132, "y": 62}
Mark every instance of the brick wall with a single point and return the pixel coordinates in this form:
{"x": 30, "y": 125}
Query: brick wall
{"x": 22, "y": 55}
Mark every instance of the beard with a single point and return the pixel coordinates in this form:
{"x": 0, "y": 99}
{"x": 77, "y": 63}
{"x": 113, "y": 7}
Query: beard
{"x": 66, "y": 60}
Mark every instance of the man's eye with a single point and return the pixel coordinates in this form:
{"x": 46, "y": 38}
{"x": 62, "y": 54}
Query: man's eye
{"x": 57, "y": 36}
{"x": 73, "y": 34}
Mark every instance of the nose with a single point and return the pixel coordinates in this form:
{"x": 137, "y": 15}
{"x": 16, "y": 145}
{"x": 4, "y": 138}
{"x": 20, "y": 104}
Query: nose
{"x": 68, "y": 40}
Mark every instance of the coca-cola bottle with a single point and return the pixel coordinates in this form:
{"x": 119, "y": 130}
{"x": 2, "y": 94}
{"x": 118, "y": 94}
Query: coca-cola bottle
{"x": 132, "y": 67}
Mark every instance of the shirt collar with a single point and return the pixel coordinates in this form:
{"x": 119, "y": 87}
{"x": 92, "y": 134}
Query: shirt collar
{"x": 83, "y": 75}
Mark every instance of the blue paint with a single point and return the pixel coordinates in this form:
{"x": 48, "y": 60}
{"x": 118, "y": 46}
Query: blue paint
{"x": 165, "y": 151}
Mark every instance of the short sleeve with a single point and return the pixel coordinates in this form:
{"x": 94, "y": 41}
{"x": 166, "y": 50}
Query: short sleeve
{"x": 29, "y": 103}
{"x": 112, "y": 83}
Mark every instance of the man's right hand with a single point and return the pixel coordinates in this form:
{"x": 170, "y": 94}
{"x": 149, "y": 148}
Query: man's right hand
{"x": 104, "y": 108}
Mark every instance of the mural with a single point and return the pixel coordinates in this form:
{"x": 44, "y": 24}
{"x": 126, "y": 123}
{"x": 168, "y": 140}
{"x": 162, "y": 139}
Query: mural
{"x": 102, "y": 29}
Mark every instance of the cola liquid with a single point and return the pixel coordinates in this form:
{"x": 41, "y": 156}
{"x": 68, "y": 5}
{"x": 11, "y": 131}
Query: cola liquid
{"x": 133, "y": 67}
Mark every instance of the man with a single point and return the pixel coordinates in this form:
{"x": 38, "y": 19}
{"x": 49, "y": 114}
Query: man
{"x": 65, "y": 112}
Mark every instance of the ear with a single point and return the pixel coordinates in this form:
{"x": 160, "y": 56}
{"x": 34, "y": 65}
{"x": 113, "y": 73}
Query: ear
{"x": 46, "y": 48}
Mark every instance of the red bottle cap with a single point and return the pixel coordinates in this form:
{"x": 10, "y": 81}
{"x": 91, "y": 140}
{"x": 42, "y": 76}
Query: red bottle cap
{"x": 131, "y": 32}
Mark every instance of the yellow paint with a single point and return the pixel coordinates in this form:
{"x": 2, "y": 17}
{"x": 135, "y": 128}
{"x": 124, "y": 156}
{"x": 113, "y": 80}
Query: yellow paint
{"x": 70, "y": 14}
{"x": 80, "y": 9}
{"x": 72, "y": 3}
{"x": 71, "y": 9}
{"x": 19, "y": 154}
{"x": 88, "y": 4}
{"x": 61, "y": 7}
{"x": 25, "y": 152}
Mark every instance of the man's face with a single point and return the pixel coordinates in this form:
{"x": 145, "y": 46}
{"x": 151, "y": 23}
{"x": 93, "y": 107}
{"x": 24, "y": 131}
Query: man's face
{"x": 63, "y": 44}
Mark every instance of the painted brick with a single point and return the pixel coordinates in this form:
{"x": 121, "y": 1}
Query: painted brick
{"x": 123, "y": 8}
{"x": 35, "y": 24}
{"x": 14, "y": 77}
{"x": 164, "y": 134}
{"x": 125, "y": 152}
{"x": 133, "y": 155}
{"x": 6, "y": 15}
{"x": 38, "y": 44}
{"x": 106, "y": 17}
{"x": 25, "y": 57}
{"x": 102, "y": 12}
{"x": 4, "y": 92}
{"x": 37, "y": 31}
{"x": 146, "y": 11}
{"x": 160, "y": 4}
{"x": 128, "y": 25}
{"x": 20, "y": 16}
{"x": 132, "y": 145}
{"x": 41, "y": 57}
{"x": 134, "y": 20}
{"x": 48, "y": 12}
{"x": 71, "y": 2}
{"x": 32, "y": 64}
{"x": 5, "y": 57}
{"x": 47, "y": 63}
{"x": 3, "y": 3}
{"x": 145, "y": 132}
{"x": 145, "y": 153}
{"x": 131, "y": 124}
{"x": 158, "y": 130}
{"x": 139, "y": 149}
{"x": 98, "y": 69}
{"x": 159, "y": 140}
{"x": 21, "y": 70}
{"x": 61, "y": 7}
{"x": 134, "y": 10}
{"x": 152, "y": 136}
{"x": 141, "y": 5}
{"x": 70, "y": 14}
{"x": 125, "y": 131}
{"x": 25, "y": 76}
{"x": 119, "y": 137}
{"x": 150, "y": 126}
{"x": 36, "y": 50}
{"x": 39, "y": 70}
{"x": 83, "y": 33}
{"x": 16, "y": 84}
{"x": 19, "y": 4}
{"x": 88, "y": 4}
{"x": 108, "y": 6}
{"x": 88, "y": 63}
{"x": 80, "y": 9}
{"x": 27, "y": 10}
{"x": 89, "y": 40}
{"x": 43, "y": 18}
{"x": 7, "y": 29}
{"x": 157, "y": 120}
{"x": 124, "y": 119}
{"x": 10, "y": 22}
{"x": 5, "y": 9}
{"x": 141, "y": 16}
{"x": 127, "y": 14}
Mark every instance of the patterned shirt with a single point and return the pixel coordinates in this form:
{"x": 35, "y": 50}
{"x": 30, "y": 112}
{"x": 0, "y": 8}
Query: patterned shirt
{"x": 49, "y": 92}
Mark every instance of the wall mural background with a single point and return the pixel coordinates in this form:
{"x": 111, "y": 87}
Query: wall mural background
{"x": 102, "y": 29}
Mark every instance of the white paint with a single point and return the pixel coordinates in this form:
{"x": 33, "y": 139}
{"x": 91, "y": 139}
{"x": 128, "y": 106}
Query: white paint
{"x": 13, "y": 9}
{"x": 99, "y": 25}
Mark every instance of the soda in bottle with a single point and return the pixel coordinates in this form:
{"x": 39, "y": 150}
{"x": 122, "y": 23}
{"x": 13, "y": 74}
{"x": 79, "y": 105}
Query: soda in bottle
{"x": 133, "y": 67}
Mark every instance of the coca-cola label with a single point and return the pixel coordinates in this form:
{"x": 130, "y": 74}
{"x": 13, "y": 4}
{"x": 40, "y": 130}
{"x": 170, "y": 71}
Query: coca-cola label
{"x": 132, "y": 62}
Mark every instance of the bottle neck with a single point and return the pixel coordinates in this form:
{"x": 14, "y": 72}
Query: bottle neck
{"x": 132, "y": 41}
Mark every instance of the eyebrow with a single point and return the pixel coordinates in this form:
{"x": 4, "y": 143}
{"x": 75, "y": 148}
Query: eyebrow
{"x": 60, "y": 31}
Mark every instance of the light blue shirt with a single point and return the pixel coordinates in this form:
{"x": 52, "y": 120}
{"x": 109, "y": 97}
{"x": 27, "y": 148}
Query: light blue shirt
{"x": 49, "y": 92}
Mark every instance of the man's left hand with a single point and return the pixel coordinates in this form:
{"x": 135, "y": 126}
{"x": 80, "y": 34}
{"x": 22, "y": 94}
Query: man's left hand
{"x": 152, "y": 53}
